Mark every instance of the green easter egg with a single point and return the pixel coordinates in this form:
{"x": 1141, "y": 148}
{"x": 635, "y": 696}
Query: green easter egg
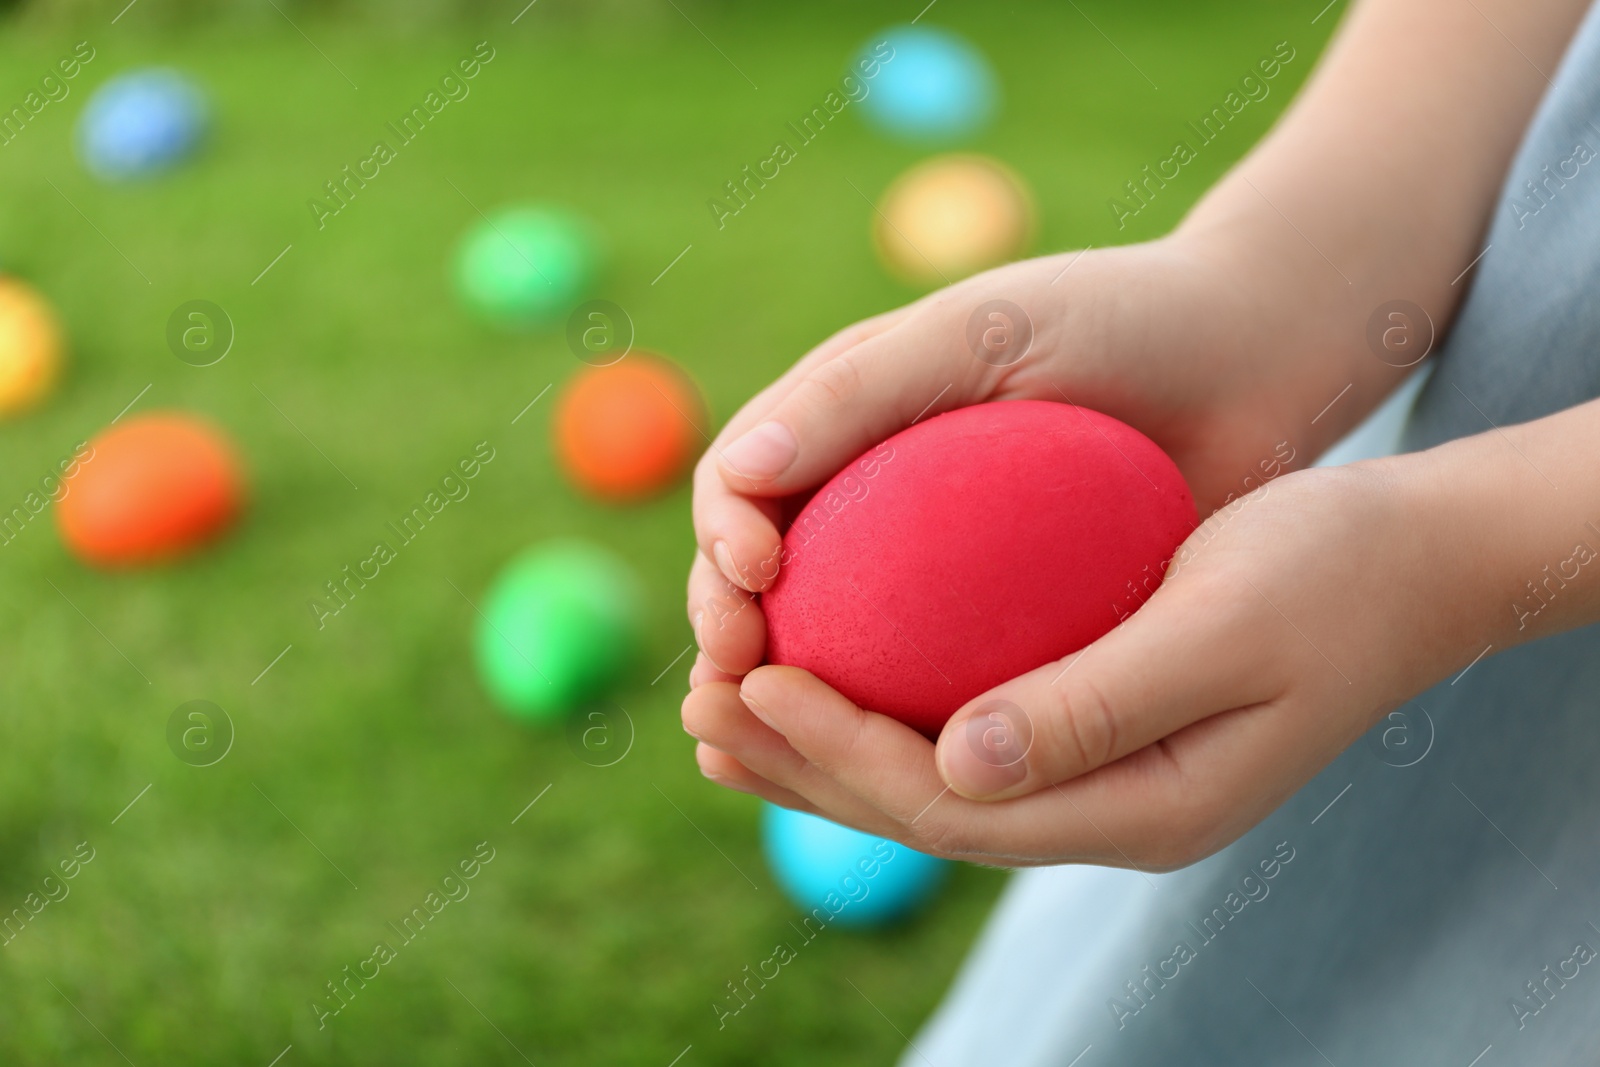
{"x": 526, "y": 267}
{"x": 560, "y": 626}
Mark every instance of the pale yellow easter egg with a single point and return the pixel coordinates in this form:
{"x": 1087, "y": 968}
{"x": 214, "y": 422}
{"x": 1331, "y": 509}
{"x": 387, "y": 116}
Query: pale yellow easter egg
{"x": 952, "y": 216}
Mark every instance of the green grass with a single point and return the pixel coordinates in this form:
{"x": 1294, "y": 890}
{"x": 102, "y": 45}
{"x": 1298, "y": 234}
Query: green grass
{"x": 608, "y": 922}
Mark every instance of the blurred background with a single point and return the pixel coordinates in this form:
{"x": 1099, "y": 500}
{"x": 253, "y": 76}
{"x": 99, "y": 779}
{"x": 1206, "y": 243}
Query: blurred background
{"x": 365, "y": 757}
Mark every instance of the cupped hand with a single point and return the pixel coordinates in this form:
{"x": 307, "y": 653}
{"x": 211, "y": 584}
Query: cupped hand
{"x": 1292, "y": 619}
{"x": 1163, "y": 336}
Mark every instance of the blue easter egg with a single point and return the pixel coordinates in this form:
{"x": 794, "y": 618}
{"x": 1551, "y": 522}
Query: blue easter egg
{"x": 140, "y": 123}
{"x": 934, "y": 87}
{"x": 855, "y": 879}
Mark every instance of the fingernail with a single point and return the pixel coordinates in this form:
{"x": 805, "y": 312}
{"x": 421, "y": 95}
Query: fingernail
{"x": 724, "y": 557}
{"x": 725, "y": 782}
{"x": 971, "y": 775}
{"x": 987, "y": 752}
{"x": 762, "y": 453}
{"x": 757, "y": 710}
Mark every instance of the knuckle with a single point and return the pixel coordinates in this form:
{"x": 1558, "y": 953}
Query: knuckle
{"x": 834, "y": 750}
{"x": 1085, "y": 725}
{"x": 834, "y": 384}
{"x": 939, "y": 837}
{"x": 855, "y": 334}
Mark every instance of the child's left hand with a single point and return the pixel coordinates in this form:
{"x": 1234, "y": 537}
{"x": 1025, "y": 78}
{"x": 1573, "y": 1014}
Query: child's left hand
{"x": 1293, "y": 619}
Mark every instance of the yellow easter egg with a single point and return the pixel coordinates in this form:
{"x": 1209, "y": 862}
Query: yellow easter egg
{"x": 952, "y": 216}
{"x": 30, "y": 347}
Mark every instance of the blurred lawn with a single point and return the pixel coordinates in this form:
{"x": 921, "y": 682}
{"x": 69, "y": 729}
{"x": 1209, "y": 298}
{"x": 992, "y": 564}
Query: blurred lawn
{"x": 608, "y": 922}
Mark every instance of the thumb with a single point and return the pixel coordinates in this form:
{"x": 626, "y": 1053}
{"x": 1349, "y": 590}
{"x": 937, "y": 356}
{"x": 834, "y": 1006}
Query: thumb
{"x": 1155, "y": 674}
{"x": 844, "y": 405}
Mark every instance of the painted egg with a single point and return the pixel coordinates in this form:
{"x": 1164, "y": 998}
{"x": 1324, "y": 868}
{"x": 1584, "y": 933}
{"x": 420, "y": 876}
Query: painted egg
{"x": 927, "y": 84}
{"x": 834, "y": 873}
{"x": 153, "y": 487}
{"x": 30, "y": 347}
{"x": 629, "y": 430}
{"x": 972, "y": 548}
{"x": 141, "y": 123}
{"x": 558, "y": 629}
{"x": 951, "y": 216}
{"x": 524, "y": 267}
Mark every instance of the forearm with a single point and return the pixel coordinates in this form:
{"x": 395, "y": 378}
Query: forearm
{"x": 1378, "y": 184}
{"x": 1513, "y": 516}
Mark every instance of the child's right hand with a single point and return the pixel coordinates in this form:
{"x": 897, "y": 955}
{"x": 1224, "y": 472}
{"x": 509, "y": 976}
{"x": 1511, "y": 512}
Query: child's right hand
{"x": 1173, "y": 339}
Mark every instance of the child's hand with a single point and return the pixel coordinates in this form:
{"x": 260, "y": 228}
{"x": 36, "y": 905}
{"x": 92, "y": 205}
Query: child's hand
{"x": 1161, "y": 336}
{"x": 1323, "y": 600}
{"x": 1292, "y": 620}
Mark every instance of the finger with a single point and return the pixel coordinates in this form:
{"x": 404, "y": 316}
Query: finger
{"x": 728, "y": 625}
{"x": 847, "y": 744}
{"x": 747, "y": 528}
{"x": 763, "y": 402}
{"x": 1160, "y": 808}
{"x": 716, "y": 715}
{"x": 704, "y": 672}
{"x": 737, "y": 533}
{"x": 1174, "y": 662}
{"x": 729, "y": 773}
{"x": 1169, "y": 805}
{"x": 1121, "y": 816}
{"x": 846, "y": 404}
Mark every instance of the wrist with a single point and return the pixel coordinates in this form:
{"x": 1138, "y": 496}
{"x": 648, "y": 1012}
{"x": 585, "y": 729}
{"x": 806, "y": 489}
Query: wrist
{"x": 1268, "y": 312}
{"x": 1514, "y": 527}
{"x": 1299, "y": 321}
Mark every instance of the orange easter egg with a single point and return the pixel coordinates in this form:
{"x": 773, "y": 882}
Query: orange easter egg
{"x": 30, "y": 347}
{"x": 152, "y": 488}
{"x": 629, "y": 430}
